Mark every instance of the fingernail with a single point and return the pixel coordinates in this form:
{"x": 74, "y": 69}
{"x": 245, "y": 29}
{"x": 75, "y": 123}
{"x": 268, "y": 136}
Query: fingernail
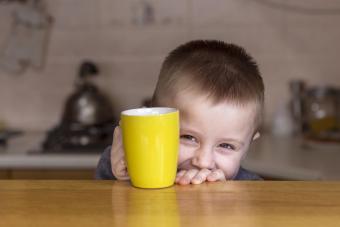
{"x": 196, "y": 181}
{"x": 184, "y": 181}
{"x": 211, "y": 177}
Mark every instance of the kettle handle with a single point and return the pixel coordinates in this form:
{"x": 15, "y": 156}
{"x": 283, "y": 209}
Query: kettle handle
{"x": 88, "y": 68}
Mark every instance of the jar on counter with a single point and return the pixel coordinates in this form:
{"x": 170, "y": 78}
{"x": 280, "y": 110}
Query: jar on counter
{"x": 338, "y": 110}
{"x": 320, "y": 110}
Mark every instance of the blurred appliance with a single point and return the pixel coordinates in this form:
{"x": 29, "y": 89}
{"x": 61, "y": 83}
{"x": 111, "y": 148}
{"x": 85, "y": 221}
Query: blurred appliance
{"x": 6, "y": 134}
{"x": 88, "y": 121}
{"x": 297, "y": 90}
{"x": 320, "y": 113}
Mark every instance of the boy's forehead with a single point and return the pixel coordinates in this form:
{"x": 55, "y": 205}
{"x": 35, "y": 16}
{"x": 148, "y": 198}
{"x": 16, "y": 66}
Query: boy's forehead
{"x": 191, "y": 104}
{"x": 222, "y": 120}
{"x": 193, "y": 101}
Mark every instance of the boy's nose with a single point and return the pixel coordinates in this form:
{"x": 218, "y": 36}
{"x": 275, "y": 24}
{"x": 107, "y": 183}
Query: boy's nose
{"x": 203, "y": 159}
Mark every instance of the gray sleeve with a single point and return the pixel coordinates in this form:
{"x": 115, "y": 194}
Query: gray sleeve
{"x": 244, "y": 174}
{"x": 103, "y": 170}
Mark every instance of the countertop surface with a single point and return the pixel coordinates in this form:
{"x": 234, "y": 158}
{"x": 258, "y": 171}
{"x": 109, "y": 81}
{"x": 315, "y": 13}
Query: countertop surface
{"x": 23, "y": 152}
{"x": 117, "y": 203}
{"x": 293, "y": 158}
{"x": 276, "y": 157}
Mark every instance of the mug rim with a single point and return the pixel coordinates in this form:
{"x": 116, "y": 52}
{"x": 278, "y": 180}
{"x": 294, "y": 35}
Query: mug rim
{"x": 149, "y": 111}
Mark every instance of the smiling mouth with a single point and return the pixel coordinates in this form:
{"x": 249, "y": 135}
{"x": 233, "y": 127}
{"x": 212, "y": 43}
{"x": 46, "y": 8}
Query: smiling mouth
{"x": 187, "y": 165}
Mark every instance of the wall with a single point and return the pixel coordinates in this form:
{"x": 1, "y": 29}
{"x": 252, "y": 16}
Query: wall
{"x": 287, "y": 43}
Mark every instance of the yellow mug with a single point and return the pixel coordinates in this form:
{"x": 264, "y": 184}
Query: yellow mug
{"x": 151, "y": 143}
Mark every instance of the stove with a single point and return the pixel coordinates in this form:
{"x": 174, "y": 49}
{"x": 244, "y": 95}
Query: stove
{"x": 5, "y": 135}
{"x": 78, "y": 138}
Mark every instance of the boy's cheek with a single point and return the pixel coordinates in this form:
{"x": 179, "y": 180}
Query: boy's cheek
{"x": 184, "y": 154}
{"x": 229, "y": 166}
{"x": 229, "y": 171}
{"x": 229, "y": 174}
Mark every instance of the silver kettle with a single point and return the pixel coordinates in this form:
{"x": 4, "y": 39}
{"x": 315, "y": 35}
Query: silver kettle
{"x": 87, "y": 106}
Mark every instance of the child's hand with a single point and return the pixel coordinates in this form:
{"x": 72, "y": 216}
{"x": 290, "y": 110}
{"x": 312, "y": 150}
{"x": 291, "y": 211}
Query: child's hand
{"x": 118, "y": 164}
{"x": 195, "y": 176}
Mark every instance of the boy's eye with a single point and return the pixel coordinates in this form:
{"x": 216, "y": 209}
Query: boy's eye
{"x": 227, "y": 146}
{"x": 189, "y": 138}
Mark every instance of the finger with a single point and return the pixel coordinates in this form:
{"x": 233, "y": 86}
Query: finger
{"x": 216, "y": 175}
{"x": 201, "y": 176}
{"x": 117, "y": 151}
{"x": 117, "y": 163}
{"x": 116, "y": 169}
{"x": 186, "y": 179}
{"x": 118, "y": 157}
{"x": 179, "y": 175}
{"x": 121, "y": 171}
{"x": 117, "y": 137}
{"x": 117, "y": 148}
{"x": 120, "y": 165}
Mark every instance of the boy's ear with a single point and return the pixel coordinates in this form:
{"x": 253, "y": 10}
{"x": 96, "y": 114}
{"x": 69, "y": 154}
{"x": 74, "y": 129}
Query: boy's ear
{"x": 256, "y": 136}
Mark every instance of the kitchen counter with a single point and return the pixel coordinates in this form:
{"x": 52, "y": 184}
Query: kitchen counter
{"x": 21, "y": 153}
{"x": 117, "y": 203}
{"x": 293, "y": 158}
{"x": 272, "y": 157}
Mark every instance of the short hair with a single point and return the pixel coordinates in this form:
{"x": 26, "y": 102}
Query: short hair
{"x": 223, "y": 71}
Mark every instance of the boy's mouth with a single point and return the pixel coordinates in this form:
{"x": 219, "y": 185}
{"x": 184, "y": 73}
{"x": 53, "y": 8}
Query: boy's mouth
{"x": 187, "y": 165}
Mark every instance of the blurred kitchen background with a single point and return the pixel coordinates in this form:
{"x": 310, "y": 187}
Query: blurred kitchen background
{"x": 68, "y": 67}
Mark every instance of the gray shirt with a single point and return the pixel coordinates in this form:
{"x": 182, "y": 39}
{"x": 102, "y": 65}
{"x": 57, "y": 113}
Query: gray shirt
{"x": 104, "y": 172}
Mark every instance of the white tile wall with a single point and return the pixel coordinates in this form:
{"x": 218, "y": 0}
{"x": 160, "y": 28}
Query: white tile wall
{"x": 286, "y": 44}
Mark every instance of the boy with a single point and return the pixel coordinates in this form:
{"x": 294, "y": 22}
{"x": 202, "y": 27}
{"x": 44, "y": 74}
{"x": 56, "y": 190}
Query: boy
{"x": 219, "y": 92}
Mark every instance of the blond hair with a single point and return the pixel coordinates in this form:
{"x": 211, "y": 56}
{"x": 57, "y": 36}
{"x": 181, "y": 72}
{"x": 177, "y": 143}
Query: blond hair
{"x": 222, "y": 71}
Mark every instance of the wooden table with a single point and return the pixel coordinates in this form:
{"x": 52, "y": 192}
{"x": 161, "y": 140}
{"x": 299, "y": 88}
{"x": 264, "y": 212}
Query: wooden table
{"x": 108, "y": 203}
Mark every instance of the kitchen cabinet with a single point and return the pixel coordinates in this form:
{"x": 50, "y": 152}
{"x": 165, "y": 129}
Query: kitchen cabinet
{"x": 4, "y": 174}
{"x": 52, "y": 174}
{"x": 65, "y": 174}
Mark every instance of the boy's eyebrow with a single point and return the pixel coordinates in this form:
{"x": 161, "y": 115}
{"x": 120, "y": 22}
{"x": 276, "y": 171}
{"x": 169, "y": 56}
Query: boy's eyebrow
{"x": 190, "y": 130}
{"x": 233, "y": 140}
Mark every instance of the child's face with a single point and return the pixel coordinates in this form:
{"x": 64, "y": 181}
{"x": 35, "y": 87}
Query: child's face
{"x": 213, "y": 136}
